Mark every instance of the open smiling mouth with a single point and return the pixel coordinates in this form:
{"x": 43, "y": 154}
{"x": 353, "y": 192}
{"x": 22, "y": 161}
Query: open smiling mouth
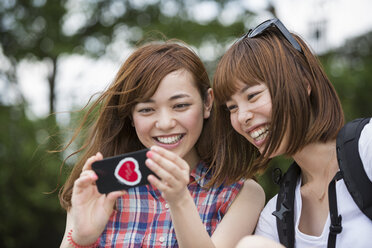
{"x": 169, "y": 139}
{"x": 260, "y": 133}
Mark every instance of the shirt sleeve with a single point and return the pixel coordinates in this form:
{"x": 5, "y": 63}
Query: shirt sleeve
{"x": 365, "y": 148}
{"x": 266, "y": 225}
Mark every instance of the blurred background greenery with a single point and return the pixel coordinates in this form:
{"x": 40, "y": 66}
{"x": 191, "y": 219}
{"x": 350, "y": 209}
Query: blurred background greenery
{"x": 41, "y": 31}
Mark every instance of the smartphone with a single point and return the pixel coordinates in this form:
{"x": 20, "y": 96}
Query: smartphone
{"x": 121, "y": 172}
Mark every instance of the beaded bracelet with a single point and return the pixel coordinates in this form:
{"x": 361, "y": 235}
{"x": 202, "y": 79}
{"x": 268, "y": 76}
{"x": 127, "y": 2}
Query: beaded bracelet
{"x": 74, "y": 244}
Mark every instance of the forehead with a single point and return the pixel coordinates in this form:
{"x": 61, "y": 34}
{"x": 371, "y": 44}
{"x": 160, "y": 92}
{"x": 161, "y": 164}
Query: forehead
{"x": 242, "y": 88}
{"x": 180, "y": 82}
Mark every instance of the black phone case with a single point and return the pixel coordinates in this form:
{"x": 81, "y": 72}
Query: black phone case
{"x": 119, "y": 172}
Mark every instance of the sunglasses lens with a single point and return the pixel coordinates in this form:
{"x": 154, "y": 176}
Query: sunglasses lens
{"x": 260, "y": 28}
{"x": 277, "y": 23}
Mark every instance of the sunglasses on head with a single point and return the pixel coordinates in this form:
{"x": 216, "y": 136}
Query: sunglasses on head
{"x": 279, "y": 25}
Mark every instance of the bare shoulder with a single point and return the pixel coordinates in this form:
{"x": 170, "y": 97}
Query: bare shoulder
{"x": 252, "y": 187}
{"x": 254, "y": 192}
{"x": 246, "y": 208}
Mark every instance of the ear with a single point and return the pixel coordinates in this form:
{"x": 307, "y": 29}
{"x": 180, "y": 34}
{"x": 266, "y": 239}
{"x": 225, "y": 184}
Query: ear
{"x": 208, "y": 104}
{"x": 308, "y": 89}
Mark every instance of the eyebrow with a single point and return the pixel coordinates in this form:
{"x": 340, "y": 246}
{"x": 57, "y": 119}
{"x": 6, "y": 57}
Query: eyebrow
{"x": 172, "y": 98}
{"x": 245, "y": 88}
{"x": 179, "y": 96}
{"x": 241, "y": 91}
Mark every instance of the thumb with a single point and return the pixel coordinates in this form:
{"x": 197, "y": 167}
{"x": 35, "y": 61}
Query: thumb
{"x": 112, "y": 197}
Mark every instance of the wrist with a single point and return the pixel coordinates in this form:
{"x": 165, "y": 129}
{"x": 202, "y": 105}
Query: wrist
{"x": 182, "y": 201}
{"x": 78, "y": 242}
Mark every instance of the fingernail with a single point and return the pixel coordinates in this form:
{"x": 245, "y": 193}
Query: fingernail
{"x": 149, "y": 154}
{"x": 154, "y": 148}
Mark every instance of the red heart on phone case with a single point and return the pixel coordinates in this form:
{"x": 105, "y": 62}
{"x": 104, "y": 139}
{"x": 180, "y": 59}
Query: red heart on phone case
{"x": 127, "y": 171}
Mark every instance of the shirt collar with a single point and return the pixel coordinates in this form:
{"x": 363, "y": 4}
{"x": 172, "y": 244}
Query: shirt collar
{"x": 200, "y": 174}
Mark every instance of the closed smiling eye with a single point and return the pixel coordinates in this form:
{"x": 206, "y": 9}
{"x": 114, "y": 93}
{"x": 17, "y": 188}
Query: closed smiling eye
{"x": 181, "y": 105}
{"x": 145, "y": 110}
{"x": 252, "y": 96}
{"x": 231, "y": 108}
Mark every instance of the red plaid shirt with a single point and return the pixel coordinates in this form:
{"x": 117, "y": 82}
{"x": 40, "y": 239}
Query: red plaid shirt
{"x": 143, "y": 219}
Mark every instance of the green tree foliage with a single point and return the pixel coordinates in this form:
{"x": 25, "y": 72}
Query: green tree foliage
{"x": 350, "y": 70}
{"x": 31, "y": 30}
{"x": 42, "y": 30}
{"x": 30, "y": 217}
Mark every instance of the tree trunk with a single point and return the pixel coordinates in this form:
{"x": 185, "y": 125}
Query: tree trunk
{"x": 52, "y": 84}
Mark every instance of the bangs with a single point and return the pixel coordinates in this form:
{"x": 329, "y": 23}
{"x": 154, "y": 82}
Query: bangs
{"x": 150, "y": 75}
{"x": 225, "y": 83}
{"x": 158, "y": 62}
{"x": 235, "y": 66}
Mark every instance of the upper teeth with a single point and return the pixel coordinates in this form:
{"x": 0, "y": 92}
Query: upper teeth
{"x": 169, "y": 140}
{"x": 258, "y": 132}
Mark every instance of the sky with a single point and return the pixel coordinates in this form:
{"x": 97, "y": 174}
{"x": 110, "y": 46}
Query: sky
{"x": 80, "y": 77}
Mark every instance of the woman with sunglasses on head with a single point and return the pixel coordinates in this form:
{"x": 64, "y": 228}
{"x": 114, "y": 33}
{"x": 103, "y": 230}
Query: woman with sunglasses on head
{"x": 273, "y": 98}
{"x": 161, "y": 100}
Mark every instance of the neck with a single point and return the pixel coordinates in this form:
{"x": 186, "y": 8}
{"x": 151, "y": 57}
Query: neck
{"x": 192, "y": 158}
{"x": 318, "y": 162}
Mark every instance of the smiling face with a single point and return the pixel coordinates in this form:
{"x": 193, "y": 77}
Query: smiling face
{"x": 173, "y": 117}
{"x": 250, "y": 114}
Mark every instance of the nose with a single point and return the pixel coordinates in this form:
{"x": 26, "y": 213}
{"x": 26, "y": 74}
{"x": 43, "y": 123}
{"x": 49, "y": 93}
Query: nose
{"x": 244, "y": 115}
{"x": 165, "y": 121}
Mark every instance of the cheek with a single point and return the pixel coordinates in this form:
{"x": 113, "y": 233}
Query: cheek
{"x": 235, "y": 123}
{"x": 194, "y": 120}
{"x": 141, "y": 126}
{"x": 267, "y": 106}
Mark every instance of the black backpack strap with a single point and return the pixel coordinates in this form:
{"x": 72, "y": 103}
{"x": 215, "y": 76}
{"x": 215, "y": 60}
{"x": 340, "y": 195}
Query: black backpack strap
{"x": 285, "y": 206}
{"x": 336, "y": 219}
{"x": 352, "y": 171}
{"x": 356, "y": 179}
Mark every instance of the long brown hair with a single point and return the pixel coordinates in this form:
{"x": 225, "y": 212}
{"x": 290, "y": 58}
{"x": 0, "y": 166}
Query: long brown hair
{"x": 111, "y": 131}
{"x": 306, "y": 117}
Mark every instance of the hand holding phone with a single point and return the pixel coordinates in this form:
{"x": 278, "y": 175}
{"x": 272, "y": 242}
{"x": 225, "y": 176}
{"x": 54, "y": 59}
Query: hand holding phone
{"x": 121, "y": 172}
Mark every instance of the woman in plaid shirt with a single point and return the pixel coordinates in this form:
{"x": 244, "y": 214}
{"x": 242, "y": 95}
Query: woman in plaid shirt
{"x": 160, "y": 99}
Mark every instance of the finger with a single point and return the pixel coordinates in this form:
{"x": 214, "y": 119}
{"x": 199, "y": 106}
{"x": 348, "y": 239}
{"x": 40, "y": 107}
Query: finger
{"x": 86, "y": 179}
{"x": 165, "y": 175}
{"x": 116, "y": 194}
{"x": 91, "y": 160}
{"x": 166, "y": 162}
{"x": 171, "y": 156}
{"x": 155, "y": 182}
{"x": 110, "y": 200}
{"x": 163, "y": 162}
{"x": 156, "y": 160}
{"x": 87, "y": 173}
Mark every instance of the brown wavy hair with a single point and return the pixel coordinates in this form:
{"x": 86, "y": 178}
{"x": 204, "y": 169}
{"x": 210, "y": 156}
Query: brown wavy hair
{"x": 288, "y": 74}
{"x": 110, "y": 130}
